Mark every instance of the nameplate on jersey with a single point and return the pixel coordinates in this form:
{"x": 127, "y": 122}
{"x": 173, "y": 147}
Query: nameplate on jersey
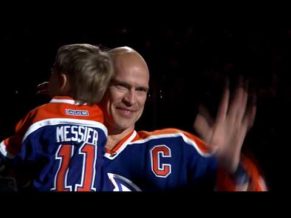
{"x": 72, "y": 112}
{"x": 78, "y": 134}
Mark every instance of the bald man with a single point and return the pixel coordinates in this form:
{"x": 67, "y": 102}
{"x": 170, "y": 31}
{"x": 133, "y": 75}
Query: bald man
{"x": 171, "y": 158}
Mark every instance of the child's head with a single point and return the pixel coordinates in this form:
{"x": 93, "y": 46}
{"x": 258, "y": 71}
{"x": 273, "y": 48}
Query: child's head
{"x": 81, "y": 71}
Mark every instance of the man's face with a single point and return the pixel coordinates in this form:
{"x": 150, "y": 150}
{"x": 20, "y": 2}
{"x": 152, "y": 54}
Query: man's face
{"x": 124, "y": 101}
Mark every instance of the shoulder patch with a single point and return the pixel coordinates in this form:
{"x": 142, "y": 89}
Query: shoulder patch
{"x": 72, "y": 112}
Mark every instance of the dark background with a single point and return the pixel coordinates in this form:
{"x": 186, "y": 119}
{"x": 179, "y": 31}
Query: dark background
{"x": 188, "y": 64}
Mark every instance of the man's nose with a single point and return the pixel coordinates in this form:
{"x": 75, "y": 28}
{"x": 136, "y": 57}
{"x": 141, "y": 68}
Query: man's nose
{"x": 129, "y": 98}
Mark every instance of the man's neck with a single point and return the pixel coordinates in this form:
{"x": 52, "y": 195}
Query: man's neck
{"x": 114, "y": 137}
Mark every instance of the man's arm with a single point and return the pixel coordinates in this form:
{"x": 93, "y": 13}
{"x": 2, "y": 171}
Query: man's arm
{"x": 226, "y": 134}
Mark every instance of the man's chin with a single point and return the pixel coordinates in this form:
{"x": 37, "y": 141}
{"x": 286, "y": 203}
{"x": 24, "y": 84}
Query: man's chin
{"x": 127, "y": 125}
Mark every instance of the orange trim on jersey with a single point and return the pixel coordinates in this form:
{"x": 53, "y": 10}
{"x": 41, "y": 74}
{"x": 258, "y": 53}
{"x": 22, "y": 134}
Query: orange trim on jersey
{"x": 120, "y": 143}
{"x": 13, "y": 140}
{"x": 225, "y": 182}
{"x": 143, "y": 135}
{"x": 49, "y": 111}
{"x": 201, "y": 145}
{"x": 52, "y": 109}
{"x": 257, "y": 181}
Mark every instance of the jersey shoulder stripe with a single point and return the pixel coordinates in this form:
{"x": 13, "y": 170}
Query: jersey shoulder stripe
{"x": 189, "y": 138}
{"x": 61, "y": 110}
{"x": 64, "y": 121}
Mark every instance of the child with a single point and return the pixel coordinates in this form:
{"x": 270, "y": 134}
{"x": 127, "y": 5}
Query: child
{"x": 58, "y": 144}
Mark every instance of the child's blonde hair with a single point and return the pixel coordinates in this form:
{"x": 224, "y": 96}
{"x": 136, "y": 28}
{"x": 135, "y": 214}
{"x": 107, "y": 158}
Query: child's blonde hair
{"x": 89, "y": 71}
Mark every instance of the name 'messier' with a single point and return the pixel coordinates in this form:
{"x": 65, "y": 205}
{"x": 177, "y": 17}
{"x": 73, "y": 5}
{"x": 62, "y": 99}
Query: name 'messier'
{"x": 77, "y": 134}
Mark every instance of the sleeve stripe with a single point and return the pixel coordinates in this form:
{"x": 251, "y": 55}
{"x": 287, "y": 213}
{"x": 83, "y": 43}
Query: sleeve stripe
{"x": 4, "y": 152}
{"x": 186, "y": 139}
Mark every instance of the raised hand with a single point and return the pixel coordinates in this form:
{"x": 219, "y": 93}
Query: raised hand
{"x": 225, "y": 135}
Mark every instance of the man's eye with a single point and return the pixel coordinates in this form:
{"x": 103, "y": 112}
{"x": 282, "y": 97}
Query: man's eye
{"x": 120, "y": 87}
{"x": 142, "y": 90}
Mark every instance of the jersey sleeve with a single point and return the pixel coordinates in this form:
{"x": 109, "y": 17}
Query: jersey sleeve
{"x": 201, "y": 164}
{"x": 249, "y": 179}
{"x": 10, "y": 146}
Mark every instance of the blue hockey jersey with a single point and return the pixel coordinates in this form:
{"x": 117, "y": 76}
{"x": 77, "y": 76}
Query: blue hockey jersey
{"x": 168, "y": 159}
{"x": 58, "y": 145}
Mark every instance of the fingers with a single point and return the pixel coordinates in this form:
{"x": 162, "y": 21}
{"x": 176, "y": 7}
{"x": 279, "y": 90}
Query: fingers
{"x": 205, "y": 113}
{"x": 223, "y": 105}
{"x": 242, "y": 110}
{"x": 250, "y": 114}
{"x": 203, "y": 123}
{"x": 239, "y": 102}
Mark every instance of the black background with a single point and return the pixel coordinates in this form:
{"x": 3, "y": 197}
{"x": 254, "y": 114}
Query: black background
{"x": 188, "y": 62}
